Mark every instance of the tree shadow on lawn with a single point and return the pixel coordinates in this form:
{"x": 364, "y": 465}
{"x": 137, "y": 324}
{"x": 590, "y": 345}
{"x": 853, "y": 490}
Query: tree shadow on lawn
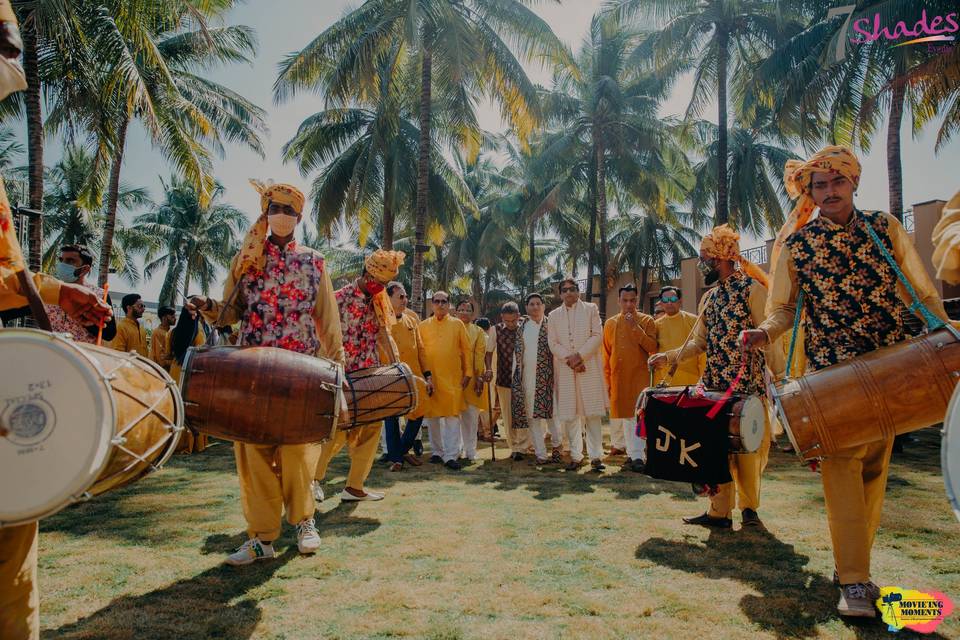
{"x": 204, "y": 600}
{"x": 792, "y": 602}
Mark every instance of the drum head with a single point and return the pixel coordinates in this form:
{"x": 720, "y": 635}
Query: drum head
{"x": 950, "y": 452}
{"x": 753, "y": 422}
{"x": 59, "y": 415}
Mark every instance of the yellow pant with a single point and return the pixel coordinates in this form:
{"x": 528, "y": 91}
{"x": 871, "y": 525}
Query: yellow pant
{"x": 274, "y": 478}
{"x": 854, "y": 481}
{"x": 744, "y": 491}
{"x": 19, "y": 596}
{"x": 362, "y": 445}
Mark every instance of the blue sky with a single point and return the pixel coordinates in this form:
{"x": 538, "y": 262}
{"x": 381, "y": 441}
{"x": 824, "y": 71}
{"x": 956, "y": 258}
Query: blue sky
{"x": 287, "y": 25}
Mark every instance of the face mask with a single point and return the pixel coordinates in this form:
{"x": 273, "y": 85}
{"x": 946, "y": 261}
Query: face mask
{"x": 373, "y": 288}
{"x": 282, "y": 225}
{"x": 12, "y": 78}
{"x": 67, "y": 272}
{"x": 708, "y": 271}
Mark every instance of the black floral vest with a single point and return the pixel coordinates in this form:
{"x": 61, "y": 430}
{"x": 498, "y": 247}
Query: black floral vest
{"x": 850, "y": 300}
{"x": 725, "y": 316}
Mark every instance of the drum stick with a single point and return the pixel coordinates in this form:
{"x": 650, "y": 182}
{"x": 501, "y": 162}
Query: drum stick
{"x": 493, "y": 439}
{"x": 106, "y": 288}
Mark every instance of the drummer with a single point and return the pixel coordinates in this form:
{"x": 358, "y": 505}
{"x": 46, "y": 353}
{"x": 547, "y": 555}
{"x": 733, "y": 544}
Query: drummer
{"x": 286, "y": 301}
{"x": 852, "y": 305}
{"x": 366, "y": 315}
{"x": 19, "y": 594}
{"x": 735, "y": 304}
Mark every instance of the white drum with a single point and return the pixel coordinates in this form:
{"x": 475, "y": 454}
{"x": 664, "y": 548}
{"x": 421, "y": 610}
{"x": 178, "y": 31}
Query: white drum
{"x": 950, "y": 452}
{"x": 77, "y": 420}
{"x": 753, "y": 424}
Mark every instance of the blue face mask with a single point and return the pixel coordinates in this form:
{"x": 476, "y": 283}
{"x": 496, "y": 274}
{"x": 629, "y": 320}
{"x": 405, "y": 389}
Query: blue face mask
{"x": 67, "y": 272}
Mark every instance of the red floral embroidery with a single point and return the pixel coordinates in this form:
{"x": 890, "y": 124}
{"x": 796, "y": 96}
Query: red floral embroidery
{"x": 358, "y": 321}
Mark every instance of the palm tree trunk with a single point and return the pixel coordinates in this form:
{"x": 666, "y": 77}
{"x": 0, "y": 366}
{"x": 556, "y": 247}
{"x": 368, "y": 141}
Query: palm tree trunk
{"x": 592, "y": 239}
{"x": 423, "y": 176}
{"x": 894, "y": 162}
{"x": 186, "y": 279}
{"x": 722, "y": 160}
{"x": 602, "y": 223}
{"x": 113, "y": 195}
{"x": 31, "y": 69}
{"x": 388, "y": 205}
{"x": 532, "y": 266}
{"x": 644, "y": 288}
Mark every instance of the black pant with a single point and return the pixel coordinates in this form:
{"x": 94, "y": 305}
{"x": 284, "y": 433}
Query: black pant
{"x": 399, "y": 445}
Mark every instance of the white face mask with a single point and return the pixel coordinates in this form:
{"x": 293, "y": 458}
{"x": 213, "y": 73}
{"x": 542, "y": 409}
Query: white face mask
{"x": 12, "y": 78}
{"x": 282, "y": 225}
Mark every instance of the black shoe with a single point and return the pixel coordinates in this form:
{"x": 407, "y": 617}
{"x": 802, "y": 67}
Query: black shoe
{"x": 706, "y": 520}
{"x": 517, "y": 456}
{"x": 637, "y": 466}
{"x": 573, "y": 465}
{"x": 597, "y": 465}
{"x": 435, "y": 459}
{"x": 453, "y": 465}
{"x": 417, "y": 448}
{"x": 749, "y": 518}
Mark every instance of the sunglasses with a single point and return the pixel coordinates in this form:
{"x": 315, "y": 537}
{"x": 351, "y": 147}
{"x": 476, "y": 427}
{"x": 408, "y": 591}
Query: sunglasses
{"x": 669, "y": 299}
{"x": 569, "y": 290}
{"x": 440, "y": 301}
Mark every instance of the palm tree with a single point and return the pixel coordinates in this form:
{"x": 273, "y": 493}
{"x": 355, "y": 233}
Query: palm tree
{"x": 708, "y": 37}
{"x": 193, "y": 238}
{"x": 607, "y": 139}
{"x": 70, "y": 222}
{"x": 470, "y": 41}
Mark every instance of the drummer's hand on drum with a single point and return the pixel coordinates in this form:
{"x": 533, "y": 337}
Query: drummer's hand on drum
{"x": 657, "y": 360}
{"x": 753, "y": 339}
{"x": 195, "y": 304}
{"x": 83, "y": 305}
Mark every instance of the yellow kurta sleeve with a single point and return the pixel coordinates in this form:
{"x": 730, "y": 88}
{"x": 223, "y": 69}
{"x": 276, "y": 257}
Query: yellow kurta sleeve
{"x": 479, "y": 352}
{"x": 905, "y": 254}
{"x": 234, "y": 312}
{"x": 697, "y": 342}
{"x": 773, "y": 352}
{"x": 607, "y": 347}
{"x": 160, "y": 348}
{"x": 645, "y": 332}
{"x": 12, "y": 296}
{"x": 326, "y": 317}
{"x": 466, "y": 351}
{"x": 782, "y": 305}
{"x": 946, "y": 242}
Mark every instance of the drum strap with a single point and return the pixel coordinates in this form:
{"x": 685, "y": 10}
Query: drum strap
{"x": 932, "y": 321}
{"x": 793, "y": 338}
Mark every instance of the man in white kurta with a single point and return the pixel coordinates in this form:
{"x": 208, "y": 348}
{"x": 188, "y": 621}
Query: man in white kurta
{"x": 575, "y": 335}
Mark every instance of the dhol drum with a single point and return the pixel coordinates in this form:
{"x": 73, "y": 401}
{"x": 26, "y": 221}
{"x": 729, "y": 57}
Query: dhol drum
{"x": 378, "y": 393}
{"x": 76, "y": 421}
{"x": 950, "y": 453}
{"x": 685, "y": 442}
{"x": 883, "y": 393}
{"x": 261, "y": 395}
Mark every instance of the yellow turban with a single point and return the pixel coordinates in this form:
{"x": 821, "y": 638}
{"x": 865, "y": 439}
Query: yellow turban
{"x": 723, "y": 243}
{"x": 384, "y": 265}
{"x": 946, "y": 242}
{"x": 251, "y": 252}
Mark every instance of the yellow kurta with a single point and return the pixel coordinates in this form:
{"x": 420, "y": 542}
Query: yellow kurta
{"x": 406, "y": 335}
{"x": 449, "y": 358}
{"x": 672, "y": 331}
{"x": 627, "y": 344}
{"x": 130, "y": 337}
{"x": 160, "y": 348}
{"x": 478, "y": 341}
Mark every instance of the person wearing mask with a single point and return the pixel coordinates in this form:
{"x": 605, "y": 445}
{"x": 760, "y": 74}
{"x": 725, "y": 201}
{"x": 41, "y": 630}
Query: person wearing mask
{"x": 74, "y": 267}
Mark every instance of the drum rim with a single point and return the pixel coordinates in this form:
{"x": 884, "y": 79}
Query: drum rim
{"x": 952, "y": 409}
{"x": 75, "y": 492}
{"x": 781, "y": 414}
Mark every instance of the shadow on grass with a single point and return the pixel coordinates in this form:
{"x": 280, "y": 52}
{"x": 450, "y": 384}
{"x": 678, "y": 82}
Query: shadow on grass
{"x": 792, "y": 602}
{"x": 205, "y": 599}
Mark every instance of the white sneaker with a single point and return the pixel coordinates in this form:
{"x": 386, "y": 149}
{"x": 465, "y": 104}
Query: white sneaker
{"x": 249, "y": 552}
{"x": 317, "y": 491}
{"x": 371, "y": 496}
{"x": 308, "y": 540}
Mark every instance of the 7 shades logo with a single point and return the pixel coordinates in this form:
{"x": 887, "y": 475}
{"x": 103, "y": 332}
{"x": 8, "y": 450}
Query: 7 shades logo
{"x": 926, "y": 29}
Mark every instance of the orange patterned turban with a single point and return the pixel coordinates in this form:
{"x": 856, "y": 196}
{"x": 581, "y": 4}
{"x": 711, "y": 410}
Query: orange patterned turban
{"x": 723, "y": 243}
{"x": 384, "y": 265}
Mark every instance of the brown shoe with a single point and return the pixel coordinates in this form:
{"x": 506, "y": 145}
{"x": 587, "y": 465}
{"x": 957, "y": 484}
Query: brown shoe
{"x": 749, "y": 518}
{"x": 574, "y": 465}
{"x": 412, "y": 459}
{"x": 616, "y": 452}
{"x": 707, "y": 520}
{"x": 396, "y": 466}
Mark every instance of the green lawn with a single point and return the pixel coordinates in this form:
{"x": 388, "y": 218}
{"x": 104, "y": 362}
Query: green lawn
{"x": 501, "y": 550}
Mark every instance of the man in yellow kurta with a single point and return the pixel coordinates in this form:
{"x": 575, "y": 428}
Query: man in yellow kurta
{"x": 474, "y": 396}
{"x": 285, "y": 301}
{"x": 673, "y": 329}
{"x": 160, "y": 338}
{"x": 131, "y": 336}
{"x": 734, "y": 305}
{"x": 449, "y": 353}
{"x": 628, "y": 340}
{"x": 852, "y": 304}
{"x": 406, "y": 335}
{"x": 19, "y": 595}
{"x": 366, "y": 316}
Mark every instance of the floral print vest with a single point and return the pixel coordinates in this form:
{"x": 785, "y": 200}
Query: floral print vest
{"x": 725, "y": 316}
